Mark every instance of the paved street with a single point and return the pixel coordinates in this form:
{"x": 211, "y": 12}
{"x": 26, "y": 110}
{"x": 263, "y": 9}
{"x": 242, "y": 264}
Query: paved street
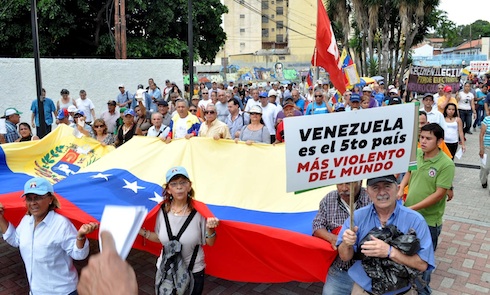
{"x": 462, "y": 255}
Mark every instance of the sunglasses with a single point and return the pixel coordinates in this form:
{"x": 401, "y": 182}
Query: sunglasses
{"x": 98, "y": 126}
{"x": 209, "y": 112}
{"x": 205, "y": 93}
{"x": 318, "y": 95}
{"x": 255, "y": 114}
{"x": 194, "y": 111}
{"x": 30, "y": 199}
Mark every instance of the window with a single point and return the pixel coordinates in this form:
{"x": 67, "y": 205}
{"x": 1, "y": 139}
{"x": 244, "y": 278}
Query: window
{"x": 279, "y": 38}
{"x": 241, "y": 1}
{"x": 272, "y": 29}
{"x": 265, "y": 4}
{"x": 265, "y": 19}
{"x": 242, "y": 44}
{"x": 279, "y": 24}
{"x": 280, "y": 10}
{"x": 242, "y": 30}
{"x": 272, "y": 16}
{"x": 282, "y": 57}
{"x": 272, "y": 2}
{"x": 242, "y": 15}
{"x": 265, "y": 32}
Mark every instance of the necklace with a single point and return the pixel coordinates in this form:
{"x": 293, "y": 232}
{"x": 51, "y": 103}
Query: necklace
{"x": 178, "y": 212}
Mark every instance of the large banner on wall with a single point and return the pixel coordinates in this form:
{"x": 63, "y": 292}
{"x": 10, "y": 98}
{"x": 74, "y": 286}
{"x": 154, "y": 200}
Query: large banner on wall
{"x": 426, "y": 79}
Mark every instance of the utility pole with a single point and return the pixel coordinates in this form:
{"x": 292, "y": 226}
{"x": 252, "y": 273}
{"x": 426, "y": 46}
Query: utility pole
{"x": 190, "y": 43}
{"x": 37, "y": 67}
{"x": 120, "y": 28}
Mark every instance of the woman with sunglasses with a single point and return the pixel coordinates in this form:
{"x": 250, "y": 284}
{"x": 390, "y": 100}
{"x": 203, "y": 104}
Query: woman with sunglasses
{"x": 100, "y": 132}
{"x": 48, "y": 242}
{"x": 318, "y": 106}
{"x": 177, "y": 206}
{"x": 256, "y": 130}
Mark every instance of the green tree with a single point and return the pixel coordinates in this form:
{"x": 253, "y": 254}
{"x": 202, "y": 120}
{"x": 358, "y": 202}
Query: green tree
{"x": 155, "y": 29}
{"x": 384, "y": 31}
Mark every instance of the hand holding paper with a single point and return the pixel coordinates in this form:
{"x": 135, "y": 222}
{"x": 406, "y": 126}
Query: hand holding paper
{"x": 123, "y": 222}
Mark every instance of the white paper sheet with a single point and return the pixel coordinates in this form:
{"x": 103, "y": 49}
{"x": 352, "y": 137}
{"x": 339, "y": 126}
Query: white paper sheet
{"x": 124, "y": 223}
{"x": 484, "y": 160}
{"x": 459, "y": 153}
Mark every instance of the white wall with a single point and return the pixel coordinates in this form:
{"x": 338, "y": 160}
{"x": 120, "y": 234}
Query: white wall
{"x": 99, "y": 77}
{"x": 425, "y": 50}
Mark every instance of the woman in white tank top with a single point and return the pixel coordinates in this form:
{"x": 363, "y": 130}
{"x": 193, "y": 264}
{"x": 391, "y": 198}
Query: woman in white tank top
{"x": 454, "y": 129}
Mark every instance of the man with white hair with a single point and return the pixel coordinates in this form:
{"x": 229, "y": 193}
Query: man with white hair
{"x": 212, "y": 127}
{"x": 158, "y": 129}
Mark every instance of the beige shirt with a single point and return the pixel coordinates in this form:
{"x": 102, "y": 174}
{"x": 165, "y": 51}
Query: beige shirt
{"x": 216, "y": 128}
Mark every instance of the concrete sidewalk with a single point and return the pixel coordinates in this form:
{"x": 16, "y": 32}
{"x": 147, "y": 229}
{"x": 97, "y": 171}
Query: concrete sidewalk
{"x": 462, "y": 255}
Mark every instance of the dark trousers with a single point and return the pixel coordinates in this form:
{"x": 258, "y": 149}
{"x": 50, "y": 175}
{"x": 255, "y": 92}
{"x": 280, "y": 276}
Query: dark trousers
{"x": 198, "y": 283}
{"x": 435, "y": 231}
{"x": 466, "y": 117}
{"x": 38, "y": 131}
{"x": 453, "y": 148}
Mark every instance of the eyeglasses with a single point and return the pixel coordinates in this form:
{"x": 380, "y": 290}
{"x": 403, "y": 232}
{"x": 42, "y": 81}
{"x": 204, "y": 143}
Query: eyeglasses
{"x": 255, "y": 114}
{"x": 178, "y": 183}
{"x": 77, "y": 116}
{"x": 98, "y": 126}
{"x": 205, "y": 93}
{"x": 318, "y": 95}
{"x": 194, "y": 111}
{"x": 209, "y": 112}
{"x": 31, "y": 199}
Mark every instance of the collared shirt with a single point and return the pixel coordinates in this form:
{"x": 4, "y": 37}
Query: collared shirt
{"x": 49, "y": 109}
{"x": 215, "y": 128}
{"x": 110, "y": 120}
{"x": 430, "y": 174}
{"x": 404, "y": 219}
{"x": 241, "y": 120}
{"x": 161, "y": 132}
{"x": 47, "y": 251}
{"x": 123, "y": 97}
{"x": 12, "y": 134}
{"x": 434, "y": 116}
{"x": 333, "y": 213}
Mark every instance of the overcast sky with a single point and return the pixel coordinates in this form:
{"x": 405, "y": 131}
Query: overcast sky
{"x": 465, "y": 12}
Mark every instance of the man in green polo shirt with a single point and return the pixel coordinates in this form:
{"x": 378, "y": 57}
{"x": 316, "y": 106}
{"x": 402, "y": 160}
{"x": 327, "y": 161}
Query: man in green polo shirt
{"x": 428, "y": 185}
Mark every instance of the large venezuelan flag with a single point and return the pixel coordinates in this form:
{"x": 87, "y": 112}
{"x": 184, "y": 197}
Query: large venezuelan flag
{"x": 264, "y": 234}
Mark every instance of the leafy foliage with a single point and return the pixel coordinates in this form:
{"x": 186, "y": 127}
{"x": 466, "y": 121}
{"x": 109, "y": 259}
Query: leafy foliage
{"x": 155, "y": 29}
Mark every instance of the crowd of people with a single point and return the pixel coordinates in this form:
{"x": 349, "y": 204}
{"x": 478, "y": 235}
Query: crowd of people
{"x": 414, "y": 200}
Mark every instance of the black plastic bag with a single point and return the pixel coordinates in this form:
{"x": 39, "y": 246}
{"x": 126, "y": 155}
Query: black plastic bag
{"x": 387, "y": 275}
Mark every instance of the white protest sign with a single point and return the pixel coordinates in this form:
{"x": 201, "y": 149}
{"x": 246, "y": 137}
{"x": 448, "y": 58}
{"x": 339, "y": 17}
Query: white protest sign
{"x": 349, "y": 146}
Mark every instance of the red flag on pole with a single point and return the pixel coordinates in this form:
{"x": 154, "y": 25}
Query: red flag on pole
{"x": 327, "y": 52}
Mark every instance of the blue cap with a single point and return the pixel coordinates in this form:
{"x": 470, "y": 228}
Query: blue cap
{"x": 39, "y": 186}
{"x": 63, "y": 113}
{"x": 355, "y": 97}
{"x": 174, "y": 171}
{"x": 263, "y": 94}
{"x": 79, "y": 112}
{"x": 129, "y": 112}
{"x": 339, "y": 106}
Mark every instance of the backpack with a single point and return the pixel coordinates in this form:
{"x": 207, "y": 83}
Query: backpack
{"x": 174, "y": 276}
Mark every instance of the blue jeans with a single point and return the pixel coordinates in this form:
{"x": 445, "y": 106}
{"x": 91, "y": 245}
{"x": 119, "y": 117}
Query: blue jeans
{"x": 435, "y": 231}
{"x": 338, "y": 282}
{"x": 480, "y": 110}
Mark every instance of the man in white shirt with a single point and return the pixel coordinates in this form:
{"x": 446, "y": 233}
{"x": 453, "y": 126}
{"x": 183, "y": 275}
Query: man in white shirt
{"x": 269, "y": 114}
{"x": 254, "y": 101}
{"x": 158, "y": 129}
{"x": 433, "y": 115}
{"x": 440, "y": 92}
{"x": 87, "y": 106}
